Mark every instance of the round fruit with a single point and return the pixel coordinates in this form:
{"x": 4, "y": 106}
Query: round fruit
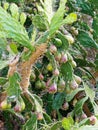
{"x": 49, "y": 67}
{"x": 73, "y": 84}
{"x": 41, "y": 77}
{"x": 5, "y": 105}
{"x": 56, "y": 72}
{"x": 78, "y": 79}
{"x": 38, "y": 84}
{"x": 58, "y": 42}
{"x": 43, "y": 86}
{"x": 53, "y": 88}
{"x": 53, "y": 49}
{"x": 93, "y": 120}
{"x": 70, "y": 39}
{"x": 17, "y": 108}
{"x": 74, "y": 102}
{"x": 58, "y": 57}
{"x": 64, "y": 58}
{"x": 39, "y": 116}
{"x": 61, "y": 85}
{"x": 83, "y": 116}
{"x": 65, "y": 106}
{"x": 73, "y": 63}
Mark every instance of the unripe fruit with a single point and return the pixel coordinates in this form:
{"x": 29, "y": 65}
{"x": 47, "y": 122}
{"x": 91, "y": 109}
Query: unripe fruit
{"x": 73, "y": 85}
{"x": 41, "y": 77}
{"x": 39, "y": 116}
{"x": 61, "y": 85}
{"x": 5, "y": 105}
{"x": 58, "y": 42}
{"x": 70, "y": 39}
{"x": 58, "y": 57}
{"x": 32, "y": 77}
{"x": 49, "y": 67}
{"x": 53, "y": 49}
{"x": 78, "y": 79}
{"x": 56, "y": 72}
{"x": 64, "y": 58}
{"x": 6, "y": 5}
{"x": 65, "y": 106}
{"x": 73, "y": 63}
{"x": 22, "y": 105}
{"x": 38, "y": 84}
{"x": 53, "y": 88}
{"x": 43, "y": 85}
{"x": 74, "y": 102}
{"x": 93, "y": 120}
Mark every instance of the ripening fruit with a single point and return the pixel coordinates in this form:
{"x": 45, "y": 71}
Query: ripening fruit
{"x": 5, "y": 105}
{"x": 39, "y": 116}
{"x": 65, "y": 106}
{"x": 58, "y": 57}
{"x": 83, "y": 116}
{"x": 70, "y": 39}
{"x": 73, "y": 84}
{"x": 74, "y": 102}
{"x": 73, "y": 63}
{"x": 17, "y": 108}
{"x": 38, "y": 84}
{"x": 58, "y": 42}
{"x": 41, "y": 77}
{"x": 53, "y": 49}
{"x": 56, "y": 72}
{"x": 93, "y": 120}
{"x": 61, "y": 85}
{"x": 22, "y": 105}
{"x": 78, "y": 79}
{"x": 49, "y": 67}
{"x": 53, "y": 88}
{"x": 64, "y": 58}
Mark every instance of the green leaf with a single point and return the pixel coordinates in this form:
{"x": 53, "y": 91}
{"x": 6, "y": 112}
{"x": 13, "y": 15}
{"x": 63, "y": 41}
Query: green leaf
{"x": 79, "y": 106}
{"x": 3, "y": 44}
{"x": 3, "y": 64}
{"x": 95, "y": 24}
{"x": 13, "y": 29}
{"x": 3, "y": 80}
{"x": 72, "y": 17}
{"x": 58, "y": 101}
{"x": 56, "y": 20}
{"x": 14, "y": 88}
{"x": 87, "y": 127}
{"x": 67, "y": 123}
{"x": 89, "y": 92}
{"x": 86, "y": 40}
{"x": 39, "y": 22}
{"x": 56, "y": 126}
{"x": 13, "y": 47}
{"x": 31, "y": 124}
{"x": 67, "y": 71}
{"x": 70, "y": 96}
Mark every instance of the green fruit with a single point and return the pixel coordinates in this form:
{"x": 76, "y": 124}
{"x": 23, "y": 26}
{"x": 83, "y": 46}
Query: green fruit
{"x": 58, "y": 42}
{"x": 49, "y": 67}
{"x": 5, "y": 105}
{"x": 78, "y": 79}
{"x": 38, "y": 84}
{"x": 43, "y": 85}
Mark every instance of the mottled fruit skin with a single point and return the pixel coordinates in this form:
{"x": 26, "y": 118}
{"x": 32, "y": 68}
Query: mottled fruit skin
{"x": 64, "y": 58}
{"x": 73, "y": 85}
{"x": 39, "y": 116}
{"x": 56, "y": 72}
{"x": 58, "y": 57}
{"x": 53, "y": 88}
{"x": 53, "y": 49}
{"x": 5, "y": 105}
{"x": 41, "y": 77}
{"x": 70, "y": 39}
{"x": 65, "y": 106}
{"x": 17, "y": 108}
{"x": 93, "y": 120}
